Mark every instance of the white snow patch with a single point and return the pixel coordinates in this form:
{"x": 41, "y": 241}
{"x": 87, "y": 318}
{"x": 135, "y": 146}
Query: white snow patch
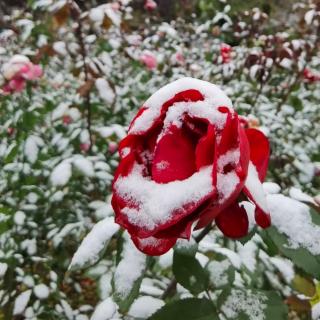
{"x": 106, "y": 310}
{"x": 297, "y": 194}
{"x": 316, "y": 312}
{"x": 285, "y": 266}
{"x": 105, "y": 91}
{"x": 271, "y": 187}
{"x": 218, "y": 272}
{"x": 61, "y": 174}
{"x": 254, "y": 186}
{"x": 41, "y": 291}
{"x": 293, "y": 219}
{"x": 129, "y": 269}
{"x": 145, "y": 306}
{"x": 252, "y": 304}
{"x": 21, "y": 302}
{"x": 94, "y": 242}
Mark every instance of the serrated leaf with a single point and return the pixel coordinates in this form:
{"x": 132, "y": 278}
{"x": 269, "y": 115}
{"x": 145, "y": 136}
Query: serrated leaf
{"x": 187, "y": 309}
{"x": 189, "y": 273}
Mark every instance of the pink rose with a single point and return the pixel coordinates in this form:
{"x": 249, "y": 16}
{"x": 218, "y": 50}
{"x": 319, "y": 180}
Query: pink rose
{"x": 149, "y": 60}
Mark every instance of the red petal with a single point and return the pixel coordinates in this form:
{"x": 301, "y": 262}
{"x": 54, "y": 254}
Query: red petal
{"x": 259, "y": 151}
{"x": 153, "y": 246}
{"x": 205, "y": 149}
{"x": 174, "y": 157}
{"x": 262, "y": 219}
{"x": 254, "y": 191}
{"x": 233, "y": 221}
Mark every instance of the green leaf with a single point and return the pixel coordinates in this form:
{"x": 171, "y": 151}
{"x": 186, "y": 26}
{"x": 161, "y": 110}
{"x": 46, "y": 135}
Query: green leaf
{"x": 187, "y": 309}
{"x": 247, "y": 304}
{"x": 221, "y": 272}
{"x": 301, "y": 257}
{"x": 189, "y": 273}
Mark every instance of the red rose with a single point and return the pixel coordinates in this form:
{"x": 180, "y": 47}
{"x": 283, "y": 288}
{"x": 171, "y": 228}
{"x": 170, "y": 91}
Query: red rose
{"x": 186, "y": 160}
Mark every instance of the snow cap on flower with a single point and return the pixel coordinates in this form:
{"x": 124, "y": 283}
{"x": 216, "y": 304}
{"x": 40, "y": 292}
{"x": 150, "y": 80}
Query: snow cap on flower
{"x": 188, "y": 159}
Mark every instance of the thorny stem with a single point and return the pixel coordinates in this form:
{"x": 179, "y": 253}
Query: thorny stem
{"x": 83, "y": 53}
{"x": 173, "y": 283}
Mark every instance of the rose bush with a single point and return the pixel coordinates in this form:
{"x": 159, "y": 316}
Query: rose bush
{"x": 188, "y": 159}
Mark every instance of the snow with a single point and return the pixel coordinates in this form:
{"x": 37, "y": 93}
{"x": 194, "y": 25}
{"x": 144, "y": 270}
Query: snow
{"x": 41, "y": 291}
{"x": 129, "y": 269}
{"x": 249, "y": 303}
{"x": 254, "y": 186}
{"x": 21, "y": 302}
{"x": 308, "y": 17}
{"x": 247, "y": 254}
{"x": 61, "y": 174}
{"x": 31, "y": 148}
{"x": 293, "y": 219}
{"x": 19, "y": 218}
{"x": 106, "y": 310}
{"x": 226, "y": 184}
{"x": 271, "y": 187}
{"x": 96, "y": 240}
{"x": 105, "y": 91}
{"x": 218, "y": 272}
{"x": 84, "y": 165}
{"x": 3, "y": 269}
{"x": 315, "y": 311}
{"x": 150, "y": 206}
{"x": 210, "y": 92}
{"x": 145, "y": 306}
{"x": 285, "y": 266}
{"x": 297, "y": 194}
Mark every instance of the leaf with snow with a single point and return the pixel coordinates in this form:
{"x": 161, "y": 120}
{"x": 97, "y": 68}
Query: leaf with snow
{"x": 21, "y": 302}
{"x": 106, "y": 310}
{"x": 106, "y": 93}
{"x": 94, "y": 243}
{"x": 144, "y": 307}
{"x": 84, "y": 165}
{"x": 128, "y": 276}
{"x": 31, "y": 148}
{"x": 249, "y": 304}
{"x": 221, "y": 272}
{"x": 295, "y": 231}
{"x": 187, "y": 309}
{"x": 61, "y": 174}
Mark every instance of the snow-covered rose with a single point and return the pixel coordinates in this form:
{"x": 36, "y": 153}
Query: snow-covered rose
{"x": 188, "y": 159}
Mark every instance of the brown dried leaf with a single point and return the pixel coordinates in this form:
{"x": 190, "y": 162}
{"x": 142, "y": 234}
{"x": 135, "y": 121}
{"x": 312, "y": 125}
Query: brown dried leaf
{"x": 61, "y": 16}
{"x": 85, "y": 88}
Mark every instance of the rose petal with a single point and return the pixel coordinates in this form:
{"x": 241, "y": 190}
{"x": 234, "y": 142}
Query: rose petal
{"x": 259, "y": 151}
{"x": 153, "y": 246}
{"x": 254, "y": 191}
{"x": 233, "y": 221}
{"x": 174, "y": 157}
{"x": 205, "y": 149}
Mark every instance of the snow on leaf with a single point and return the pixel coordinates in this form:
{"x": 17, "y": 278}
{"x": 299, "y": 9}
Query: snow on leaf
{"x": 61, "y": 174}
{"x": 106, "y": 310}
{"x": 21, "y": 302}
{"x": 145, "y": 306}
{"x": 94, "y": 243}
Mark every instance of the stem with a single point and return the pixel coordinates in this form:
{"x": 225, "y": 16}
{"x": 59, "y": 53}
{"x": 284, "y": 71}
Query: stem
{"x": 173, "y": 283}
{"x": 83, "y": 53}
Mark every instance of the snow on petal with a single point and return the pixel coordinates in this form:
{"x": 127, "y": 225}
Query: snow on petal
{"x": 255, "y": 189}
{"x": 210, "y": 91}
{"x": 95, "y": 241}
